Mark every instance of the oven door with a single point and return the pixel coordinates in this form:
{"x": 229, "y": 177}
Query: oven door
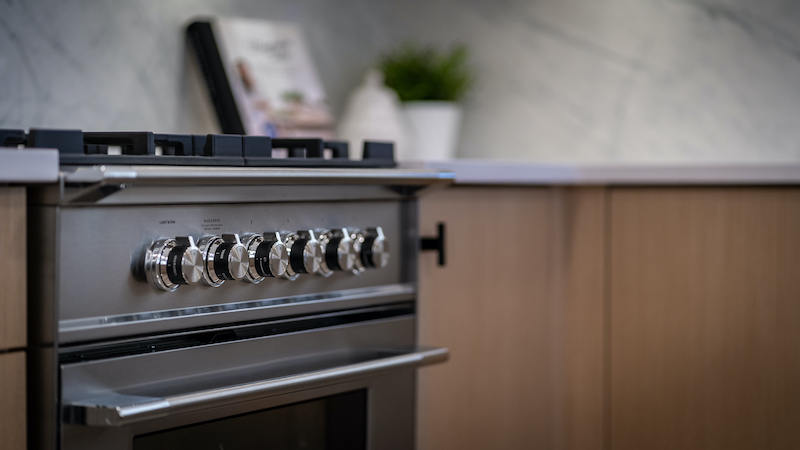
{"x": 341, "y": 380}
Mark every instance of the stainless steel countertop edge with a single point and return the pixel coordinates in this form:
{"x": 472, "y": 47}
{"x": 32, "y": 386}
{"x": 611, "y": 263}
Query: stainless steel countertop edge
{"x": 108, "y": 174}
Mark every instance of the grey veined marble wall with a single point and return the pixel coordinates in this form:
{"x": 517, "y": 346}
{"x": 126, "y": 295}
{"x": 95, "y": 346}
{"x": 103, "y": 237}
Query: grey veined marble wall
{"x": 558, "y": 80}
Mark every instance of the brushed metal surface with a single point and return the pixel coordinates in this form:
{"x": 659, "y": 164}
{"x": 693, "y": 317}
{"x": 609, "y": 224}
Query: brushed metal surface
{"x": 104, "y": 327}
{"x": 390, "y": 415}
{"x": 121, "y": 410}
{"x": 247, "y": 175}
{"x": 105, "y": 242}
{"x": 99, "y": 233}
{"x": 176, "y": 372}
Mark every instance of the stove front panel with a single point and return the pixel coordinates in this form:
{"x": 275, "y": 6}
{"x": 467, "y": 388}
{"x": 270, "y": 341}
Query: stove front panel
{"x": 99, "y": 250}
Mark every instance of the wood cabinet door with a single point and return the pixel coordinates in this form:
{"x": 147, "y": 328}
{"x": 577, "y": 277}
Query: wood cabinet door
{"x": 526, "y": 344}
{"x": 12, "y": 401}
{"x": 12, "y": 266}
{"x": 705, "y": 318}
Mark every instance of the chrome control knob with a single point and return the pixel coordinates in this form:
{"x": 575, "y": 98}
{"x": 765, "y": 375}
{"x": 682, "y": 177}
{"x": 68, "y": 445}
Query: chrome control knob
{"x": 268, "y": 256}
{"x": 225, "y": 259}
{"x": 375, "y": 249}
{"x": 339, "y": 251}
{"x": 305, "y": 254}
{"x": 170, "y": 263}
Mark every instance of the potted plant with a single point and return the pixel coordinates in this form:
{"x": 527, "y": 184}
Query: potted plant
{"x": 429, "y": 83}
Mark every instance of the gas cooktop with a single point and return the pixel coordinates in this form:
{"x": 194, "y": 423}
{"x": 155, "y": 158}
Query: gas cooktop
{"x": 77, "y": 147}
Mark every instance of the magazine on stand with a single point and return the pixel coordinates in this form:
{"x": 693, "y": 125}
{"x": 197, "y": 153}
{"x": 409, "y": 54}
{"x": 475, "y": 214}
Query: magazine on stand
{"x": 261, "y": 78}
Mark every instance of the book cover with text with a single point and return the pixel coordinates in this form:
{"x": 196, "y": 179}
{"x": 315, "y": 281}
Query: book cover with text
{"x": 261, "y": 78}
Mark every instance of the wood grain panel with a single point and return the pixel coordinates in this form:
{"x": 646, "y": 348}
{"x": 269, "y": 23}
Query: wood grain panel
{"x": 577, "y": 262}
{"x": 488, "y": 305}
{"x": 12, "y": 401}
{"x": 705, "y": 318}
{"x": 12, "y": 266}
{"x": 519, "y": 304}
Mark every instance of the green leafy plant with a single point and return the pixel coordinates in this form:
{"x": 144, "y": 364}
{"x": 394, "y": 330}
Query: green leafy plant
{"x": 293, "y": 96}
{"x": 424, "y": 73}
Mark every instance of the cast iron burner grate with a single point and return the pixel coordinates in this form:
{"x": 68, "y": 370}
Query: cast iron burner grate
{"x": 77, "y": 147}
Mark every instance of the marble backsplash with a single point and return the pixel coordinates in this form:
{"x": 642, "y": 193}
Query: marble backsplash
{"x": 558, "y": 80}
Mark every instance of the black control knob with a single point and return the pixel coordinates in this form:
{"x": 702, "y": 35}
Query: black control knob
{"x": 305, "y": 254}
{"x": 339, "y": 251}
{"x": 375, "y": 249}
{"x": 170, "y": 263}
{"x": 268, "y": 256}
{"x": 225, "y": 259}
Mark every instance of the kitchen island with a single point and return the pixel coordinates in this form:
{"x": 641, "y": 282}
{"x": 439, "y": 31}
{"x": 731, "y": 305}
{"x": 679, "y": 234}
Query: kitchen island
{"x": 613, "y": 307}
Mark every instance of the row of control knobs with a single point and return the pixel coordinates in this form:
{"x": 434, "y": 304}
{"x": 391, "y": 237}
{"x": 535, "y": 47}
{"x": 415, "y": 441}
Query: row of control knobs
{"x": 213, "y": 260}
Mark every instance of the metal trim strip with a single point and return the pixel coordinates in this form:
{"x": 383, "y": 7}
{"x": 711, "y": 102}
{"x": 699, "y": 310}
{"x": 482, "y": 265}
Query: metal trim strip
{"x": 171, "y": 175}
{"x": 123, "y": 410}
{"x": 74, "y": 330}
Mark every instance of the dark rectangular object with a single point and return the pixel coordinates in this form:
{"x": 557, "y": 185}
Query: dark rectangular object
{"x": 257, "y": 146}
{"x": 435, "y": 243}
{"x": 12, "y": 138}
{"x": 199, "y": 144}
{"x": 137, "y": 160}
{"x": 379, "y": 150}
{"x": 139, "y": 148}
{"x": 94, "y": 149}
{"x": 332, "y": 422}
{"x": 339, "y": 149}
{"x": 311, "y": 148}
{"x": 134, "y": 143}
{"x": 174, "y": 144}
{"x": 224, "y": 145}
{"x": 320, "y": 163}
{"x": 257, "y": 151}
{"x": 225, "y": 149}
{"x": 201, "y": 36}
{"x": 66, "y": 141}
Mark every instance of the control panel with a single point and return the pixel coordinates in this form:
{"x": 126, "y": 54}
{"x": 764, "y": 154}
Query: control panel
{"x": 252, "y": 258}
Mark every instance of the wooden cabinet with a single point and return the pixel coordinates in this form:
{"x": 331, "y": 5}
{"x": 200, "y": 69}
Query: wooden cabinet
{"x": 522, "y": 316}
{"x": 12, "y": 401}
{"x": 12, "y": 266}
{"x": 705, "y": 314}
{"x": 612, "y": 318}
{"x": 13, "y": 337}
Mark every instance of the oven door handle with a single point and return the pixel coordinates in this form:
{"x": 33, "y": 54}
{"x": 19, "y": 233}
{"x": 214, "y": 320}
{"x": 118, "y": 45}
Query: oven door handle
{"x": 121, "y": 410}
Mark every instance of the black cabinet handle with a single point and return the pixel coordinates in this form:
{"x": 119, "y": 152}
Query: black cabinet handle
{"x": 435, "y": 243}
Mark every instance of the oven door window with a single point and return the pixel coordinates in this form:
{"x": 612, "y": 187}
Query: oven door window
{"x": 334, "y": 422}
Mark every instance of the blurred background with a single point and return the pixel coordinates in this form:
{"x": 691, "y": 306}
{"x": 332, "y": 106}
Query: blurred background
{"x": 557, "y": 80}
{"x": 692, "y": 289}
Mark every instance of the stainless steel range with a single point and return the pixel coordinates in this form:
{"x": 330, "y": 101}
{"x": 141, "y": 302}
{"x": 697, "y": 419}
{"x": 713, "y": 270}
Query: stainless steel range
{"x": 244, "y": 304}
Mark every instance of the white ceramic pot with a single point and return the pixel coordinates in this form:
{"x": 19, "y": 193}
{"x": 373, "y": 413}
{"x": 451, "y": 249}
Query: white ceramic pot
{"x": 433, "y": 128}
{"x": 373, "y": 113}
